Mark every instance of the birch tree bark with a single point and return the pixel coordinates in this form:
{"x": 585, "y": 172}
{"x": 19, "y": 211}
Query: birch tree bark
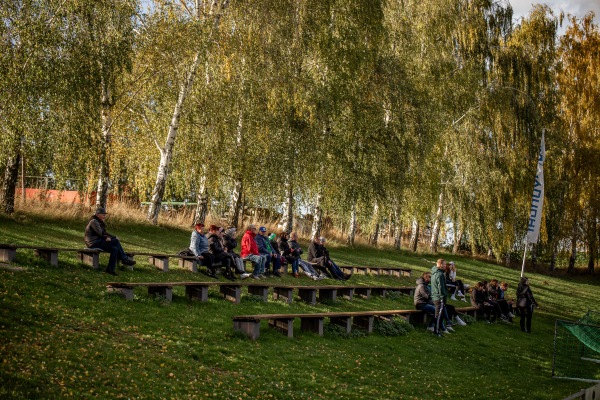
{"x": 352, "y": 227}
{"x": 9, "y": 179}
{"x": 317, "y": 217}
{"x": 414, "y": 237}
{"x": 201, "y": 200}
{"x": 166, "y": 152}
{"x": 287, "y": 219}
{"x": 397, "y": 230}
{"x": 458, "y": 233}
{"x": 104, "y": 170}
{"x": 375, "y": 234}
{"x": 435, "y": 234}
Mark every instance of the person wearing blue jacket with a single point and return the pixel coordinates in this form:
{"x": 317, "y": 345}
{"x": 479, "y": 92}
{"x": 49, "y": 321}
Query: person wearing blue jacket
{"x": 439, "y": 293}
{"x": 265, "y": 250}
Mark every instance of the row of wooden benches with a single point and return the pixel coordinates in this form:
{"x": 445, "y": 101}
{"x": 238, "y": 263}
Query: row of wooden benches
{"x": 161, "y": 261}
{"x": 250, "y": 324}
{"x": 232, "y": 290}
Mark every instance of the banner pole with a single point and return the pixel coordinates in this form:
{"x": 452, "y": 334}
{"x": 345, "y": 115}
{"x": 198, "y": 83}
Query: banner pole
{"x": 524, "y": 257}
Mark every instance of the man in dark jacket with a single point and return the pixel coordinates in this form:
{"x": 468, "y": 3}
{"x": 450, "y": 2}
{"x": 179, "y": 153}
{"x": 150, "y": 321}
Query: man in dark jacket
{"x": 422, "y": 298}
{"x": 229, "y": 244}
{"x": 219, "y": 254}
{"x": 96, "y": 237}
{"x": 318, "y": 254}
{"x": 265, "y": 250}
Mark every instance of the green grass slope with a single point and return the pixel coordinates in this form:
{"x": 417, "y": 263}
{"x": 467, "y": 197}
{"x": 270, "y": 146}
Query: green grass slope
{"x": 62, "y": 335}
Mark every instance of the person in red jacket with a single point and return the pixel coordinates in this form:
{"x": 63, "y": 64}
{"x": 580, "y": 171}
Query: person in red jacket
{"x": 250, "y": 252}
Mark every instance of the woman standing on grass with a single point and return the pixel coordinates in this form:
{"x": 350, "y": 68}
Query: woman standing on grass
{"x": 526, "y": 303}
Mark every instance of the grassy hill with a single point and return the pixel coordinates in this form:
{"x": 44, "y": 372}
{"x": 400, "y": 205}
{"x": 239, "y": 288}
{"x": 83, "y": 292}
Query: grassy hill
{"x": 62, "y": 335}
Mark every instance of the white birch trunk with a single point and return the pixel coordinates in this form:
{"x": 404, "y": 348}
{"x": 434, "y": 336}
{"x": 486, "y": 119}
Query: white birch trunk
{"x": 201, "y": 201}
{"x": 397, "y": 230}
{"x": 236, "y": 202}
{"x": 433, "y": 244}
{"x": 352, "y": 226}
{"x": 458, "y": 233}
{"x": 414, "y": 237}
{"x": 287, "y": 219}
{"x": 103, "y": 173}
{"x": 317, "y": 217}
{"x": 166, "y": 153}
{"x": 238, "y": 185}
{"x": 375, "y": 234}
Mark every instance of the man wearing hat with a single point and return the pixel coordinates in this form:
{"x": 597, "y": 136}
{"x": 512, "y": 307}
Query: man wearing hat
{"x": 96, "y": 237}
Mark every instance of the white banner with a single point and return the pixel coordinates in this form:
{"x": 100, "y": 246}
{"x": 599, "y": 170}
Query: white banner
{"x": 537, "y": 202}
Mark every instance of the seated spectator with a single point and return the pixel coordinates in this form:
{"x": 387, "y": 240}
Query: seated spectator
{"x": 229, "y": 244}
{"x": 215, "y": 247}
{"x": 199, "y": 247}
{"x": 509, "y": 303}
{"x": 265, "y": 250}
{"x": 422, "y": 298}
{"x": 96, "y": 237}
{"x": 250, "y": 252}
{"x": 456, "y": 286}
{"x": 452, "y": 315}
{"x": 480, "y": 300}
{"x": 318, "y": 254}
{"x": 501, "y": 305}
{"x": 277, "y": 251}
{"x": 288, "y": 253}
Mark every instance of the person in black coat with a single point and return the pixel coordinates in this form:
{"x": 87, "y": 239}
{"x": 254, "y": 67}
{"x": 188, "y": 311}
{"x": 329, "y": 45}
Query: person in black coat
{"x": 526, "y": 303}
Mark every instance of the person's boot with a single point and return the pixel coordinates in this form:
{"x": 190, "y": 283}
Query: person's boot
{"x": 460, "y": 321}
{"x": 453, "y": 297}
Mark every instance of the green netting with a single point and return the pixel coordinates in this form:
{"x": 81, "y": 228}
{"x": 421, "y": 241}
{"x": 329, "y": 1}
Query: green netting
{"x": 589, "y": 335}
{"x": 591, "y": 318}
{"x": 577, "y": 348}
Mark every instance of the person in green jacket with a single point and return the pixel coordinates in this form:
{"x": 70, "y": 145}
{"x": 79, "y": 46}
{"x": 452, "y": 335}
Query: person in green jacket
{"x": 439, "y": 293}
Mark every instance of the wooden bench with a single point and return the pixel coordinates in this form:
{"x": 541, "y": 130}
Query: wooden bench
{"x": 193, "y": 290}
{"x": 250, "y": 324}
{"x": 379, "y": 271}
{"x": 232, "y": 290}
{"x": 86, "y": 255}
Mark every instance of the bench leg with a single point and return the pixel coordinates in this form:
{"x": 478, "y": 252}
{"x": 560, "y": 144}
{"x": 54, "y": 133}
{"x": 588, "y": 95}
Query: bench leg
{"x": 250, "y": 328}
{"x": 8, "y": 255}
{"x": 417, "y": 318}
{"x": 262, "y": 291}
{"x": 405, "y": 273}
{"x": 49, "y": 255}
{"x": 327, "y": 295}
{"x": 188, "y": 264}
{"x": 308, "y": 295}
{"x": 92, "y": 260}
{"x": 196, "y": 293}
{"x": 285, "y": 325}
{"x": 312, "y": 325}
{"x": 167, "y": 292}
{"x": 126, "y": 292}
{"x": 378, "y": 292}
{"x": 348, "y": 293}
{"x": 231, "y": 292}
{"x": 365, "y": 322}
{"x": 161, "y": 263}
{"x": 345, "y": 322}
{"x": 363, "y": 292}
{"x": 283, "y": 293}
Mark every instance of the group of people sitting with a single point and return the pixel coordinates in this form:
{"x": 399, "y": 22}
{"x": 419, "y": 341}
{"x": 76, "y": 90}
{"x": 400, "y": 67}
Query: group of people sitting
{"x": 490, "y": 298}
{"x": 431, "y": 296}
{"x": 268, "y": 253}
